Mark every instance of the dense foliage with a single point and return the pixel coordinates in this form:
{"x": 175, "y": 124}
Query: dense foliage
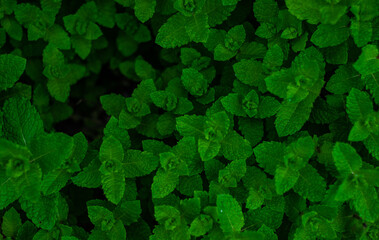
{"x": 189, "y": 119}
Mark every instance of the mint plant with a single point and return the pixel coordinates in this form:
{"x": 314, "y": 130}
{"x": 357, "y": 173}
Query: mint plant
{"x": 189, "y": 119}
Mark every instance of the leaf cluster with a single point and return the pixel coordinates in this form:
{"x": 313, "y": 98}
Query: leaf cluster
{"x": 212, "y": 119}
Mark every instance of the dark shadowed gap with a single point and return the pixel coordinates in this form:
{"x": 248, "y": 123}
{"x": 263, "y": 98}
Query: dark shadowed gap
{"x": 88, "y": 115}
{"x": 78, "y": 197}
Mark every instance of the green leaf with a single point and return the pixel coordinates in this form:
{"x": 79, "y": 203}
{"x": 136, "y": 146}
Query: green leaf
{"x": 269, "y": 233}
{"x": 232, "y": 173}
{"x": 233, "y": 104}
{"x": 128, "y": 120}
{"x": 188, "y": 55}
{"x": 81, "y": 46}
{"x": 113, "y": 184}
{"x": 29, "y": 184}
{"x": 164, "y": 182}
{"x": 12, "y": 28}
{"x": 217, "y": 12}
{"x": 359, "y": 132}
{"x": 361, "y": 32}
{"x": 251, "y": 129}
{"x": 11, "y": 69}
{"x": 346, "y": 159}
{"x": 188, "y": 185}
{"x": 306, "y": 9}
{"x": 208, "y": 149}
{"x": 250, "y": 103}
{"x": 229, "y": 213}
{"x": 371, "y": 143}
{"x": 21, "y": 121}
{"x": 249, "y": 72}
{"x": 190, "y": 125}
{"x": 61, "y": 77}
{"x": 8, "y": 193}
{"x": 235, "y": 37}
{"x": 137, "y": 163}
{"x": 112, "y": 129}
{"x": 89, "y": 177}
{"x": 359, "y": 105}
{"x": 372, "y": 83}
{"x": 173, "y": 33}
{"x": 128, "y": 211}
{"x": 366, "y": 203}
{"x": 344, "y": 79}
{"x": 107, "y": 13}
{"x": 266, "y": 10}
{"x": 235, "y": 147}
{"x": 269, "y": 155}
{"x": 26, "y": 13}
{"x": 112, "y": 104}
{"x": 118, "y": 231}
{"x": 58, "y": 37}
{"x": 164, "y": 99}
{"x": 310, "y": 184}
{"x": 255, "y": 199}
{"x": 285, "y": 179}
{"x": 111, "y": 149}
{"x": 186, "y": 154}
{"x": 26, "y": 231}
{"x": 197, "y": 28}
{"x": 43, "y": 211}
{"x": 51, "y": 6}
{"x": 194, "y": 82}
{"x": 221, "y": 53}
{"x": 278, "y": 82}
{"x": 274, "y": 57}
{"x": 266, "y": 30}
{"x": 292, "y": 115}
{"x": 168, "y": 216}
{"x": 144, "y": 70}
{"x": 166, "y": 124}
{"x": 101, "y": 217}
{"x": 330, "y": 14}
{"x": 54, "y": 181}
{"x": 268, "y": 107}
{"x": 328, "y": 35}
{"x": 51, "y": 150}
{"x": 368, "y": 63}
{"x": 11, "y": 223}
{"x": 144, "y": 9}
{"x": 201, "y": 225}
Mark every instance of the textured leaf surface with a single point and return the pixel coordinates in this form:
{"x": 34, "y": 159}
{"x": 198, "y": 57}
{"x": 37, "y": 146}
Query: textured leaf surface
{"x": 144, "y": 9}
{"x": 21, "y": 121}
{"x": 310, "y": 184}
{"x": 137, "y": 163}
{"x": 285, "y": 179}
{"x": 11, "y": 69}
{"x": 11, "y": 223}
{"x": 235, "y": 147}
{"x": 43, "y": 212}
{"x": 128, "y": 211}
{"x": 328, "y": 35}
{"x": 54, "y": 181}
{"x": 230, "y": 213}
{"x": 358, "y": 105}
{"x": 346, "y": 159}
{"x": 113, "y": 184}
{"x": 164, "y": 182}
{"x": 51, "y": 150}
{"x": 173, "y": 33}
{"x": 269, "y": 155}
